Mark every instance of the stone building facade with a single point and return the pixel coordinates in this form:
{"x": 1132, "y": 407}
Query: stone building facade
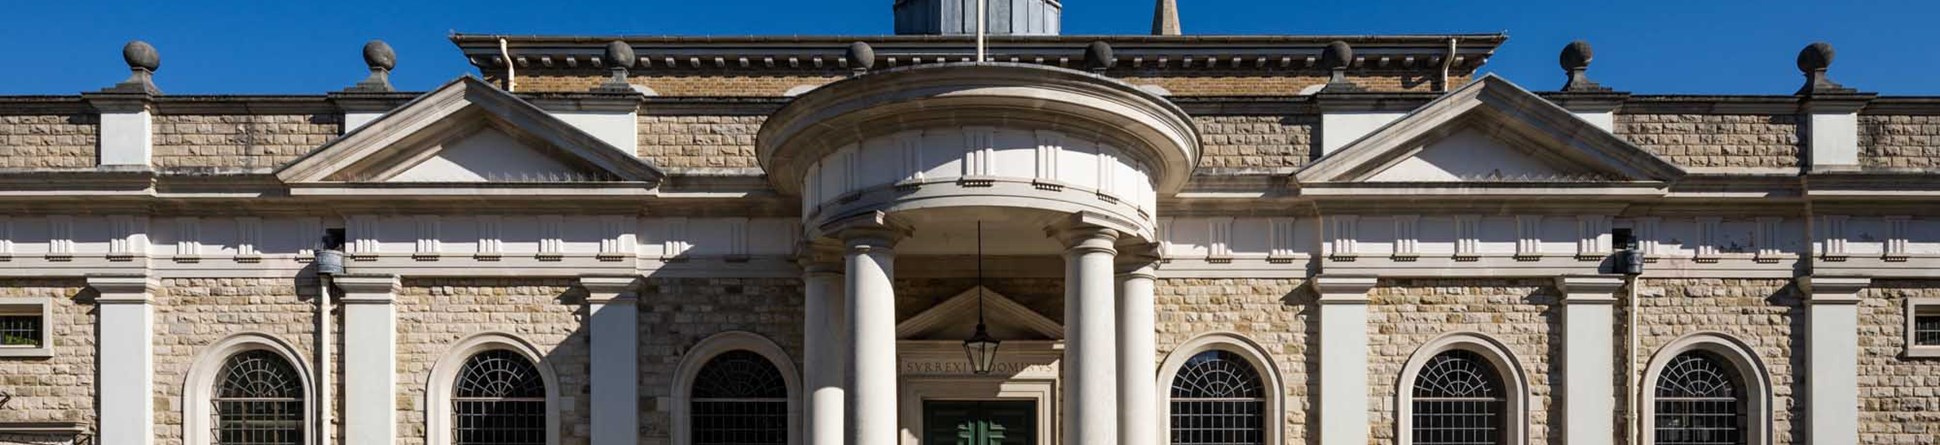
{"x": 1188, "y": 239}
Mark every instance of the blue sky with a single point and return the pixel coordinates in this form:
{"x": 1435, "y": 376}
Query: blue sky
{"x": 288, "y": 46}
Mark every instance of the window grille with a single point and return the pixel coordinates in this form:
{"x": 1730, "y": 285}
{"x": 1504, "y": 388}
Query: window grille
{"x": 1926, "y": 329}
{"x": 20, "y": 330}
{"x": 739, "y": 398}
{"x": 1218, "y": 398}
{"x": 1699, "y": 402}
{"x": 258, "y": 401}
{"x": 499, "y": 399}
{"x": 1458, "y": 399}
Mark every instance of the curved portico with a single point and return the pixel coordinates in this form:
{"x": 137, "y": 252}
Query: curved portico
{"x": 1052, "y": 161}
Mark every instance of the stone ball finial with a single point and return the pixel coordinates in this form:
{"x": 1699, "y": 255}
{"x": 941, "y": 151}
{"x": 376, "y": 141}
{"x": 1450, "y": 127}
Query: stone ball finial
{"x": 1099, "y": 57}
{"x": 1576, "y": 56}
{"x": 141, "y": 55}
{"x": 1337, "y": 55}
{"x": 379, "y": 56}
{"x": 1815, "y": 57}
{"x": 861, "y": 56}
{"x": 620, "y": 55}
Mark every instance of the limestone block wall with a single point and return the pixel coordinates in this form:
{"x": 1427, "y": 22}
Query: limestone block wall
{"x": 736, "y": 82}
{"x": 61, "y": 388}
{"x": 1899, "y": 398}
{"x": 240, "y": 141}
{"x": 1715, "y": 140}
{"x": 49, "y": 141}
{"x": 699, "y": 141}
{"x": 679, "y": 82}
{"x": 1899, "y": 141}
{"x": 1268, "y": 142}
{"x": 1249, "y": 81}
{"x": 677, "y": 313}
{"x": 1404, "y": 314}
{"x": 1277, "y": 314}
{"x": 434, "y": 314}
{"x": 1766, "y": 314}
{"x": 192, "y": 315}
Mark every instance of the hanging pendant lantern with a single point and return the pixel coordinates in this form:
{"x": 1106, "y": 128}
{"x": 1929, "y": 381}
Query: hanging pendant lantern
{"x": 981, "y": 348}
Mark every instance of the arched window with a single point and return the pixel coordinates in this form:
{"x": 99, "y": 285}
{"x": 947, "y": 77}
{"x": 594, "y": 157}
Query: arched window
{"x": 258, "y": 400}
{"x": 739, "y": 398}
{"x": 498, "y": 398}
{"x": 1458, "y": 400}
{"x": 1218, "y": 398}
{"x": 1700, "y": 400}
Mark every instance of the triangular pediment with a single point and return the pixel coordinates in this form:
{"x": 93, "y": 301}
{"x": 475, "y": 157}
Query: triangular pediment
{"x": 468, "y": 131}
{"x": 956, "y": 319}
{"x": 1490, "y": 131}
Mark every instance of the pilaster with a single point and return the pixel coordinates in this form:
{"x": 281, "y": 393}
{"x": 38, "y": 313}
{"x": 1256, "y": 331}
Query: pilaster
{"x": 1832, "y": 357}
{"x": 126, "y": 360}
{"x": 612, "y": 308}
{"x": 1343, "y": 374}
{"x": 1589, "y": 351}
{"x": 370, "y": 358}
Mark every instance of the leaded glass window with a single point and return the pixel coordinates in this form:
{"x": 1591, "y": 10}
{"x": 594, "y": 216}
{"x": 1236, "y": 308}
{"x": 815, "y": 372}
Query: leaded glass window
{"x": 1218, "y": 398}
{"x": 499, "y": 398}
{"x": 739, "y": 398}
{"x": 258, "y": 400}
{"x": 1699, "y": 401}
{"x": 1458, "y": 399}
{"x": 1926, "y": 329}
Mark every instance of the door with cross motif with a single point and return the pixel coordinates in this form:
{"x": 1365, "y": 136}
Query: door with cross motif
{"x": 979, "y": 422}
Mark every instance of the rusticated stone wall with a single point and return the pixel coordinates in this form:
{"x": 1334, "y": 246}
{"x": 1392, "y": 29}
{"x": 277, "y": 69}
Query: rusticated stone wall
{"x": 1277, "y": 314}
{"x": 192, "y": 315}
{"x": 1899, "y": 398}
{"x": 252, "y": 142}
{"x": 1766, "y": 314}
{"x": 1899, "y": 142}
{"x": 1263, "y": 142}
{"x": 1715, "y": 140}
{"x": 49, "y": 141}
{"x": 434, "y": 314}
{"x": 682, "y": 142}
{"x": 60, "y": 388}
{"x": 1522, "y": 314}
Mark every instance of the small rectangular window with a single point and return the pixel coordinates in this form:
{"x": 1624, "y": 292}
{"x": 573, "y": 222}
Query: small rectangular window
{"x": 23, "y": 327}
{"x": 1923, "y": 327}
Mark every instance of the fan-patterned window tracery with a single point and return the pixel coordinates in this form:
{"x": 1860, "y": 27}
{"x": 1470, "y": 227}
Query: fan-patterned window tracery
{"x": 258, "y": 401}
{"x": 1699, "y": 401}
{"x": 1458, "y": 399}
{"x": 1218, "y": 398}
{"x": 739, "y": 398}
{"x": 499, "y": 398}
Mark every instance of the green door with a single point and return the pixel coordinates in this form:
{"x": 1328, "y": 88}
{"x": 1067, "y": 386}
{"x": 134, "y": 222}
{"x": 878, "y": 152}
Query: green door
{"x": 979, "y": 423}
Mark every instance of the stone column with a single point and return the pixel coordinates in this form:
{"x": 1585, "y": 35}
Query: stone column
{"x": 869, "y": 257}
{"x": 370, "y": 358}
{"x": 126, "y": 363}
{"x": 824, "y": 332}
{"x": 1138, "y": 403}
{"x": 1832, "y": 348}
{"x": 1589, "y": 351}
{"x": 1090, "y": 368}
{"x": 1343, "y": 364}
{"x": 613, "y": 313}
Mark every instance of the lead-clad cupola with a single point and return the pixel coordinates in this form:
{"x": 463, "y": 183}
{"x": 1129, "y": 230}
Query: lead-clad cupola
{"x": 958, "y": 17}
{"x": 937, "y": 140}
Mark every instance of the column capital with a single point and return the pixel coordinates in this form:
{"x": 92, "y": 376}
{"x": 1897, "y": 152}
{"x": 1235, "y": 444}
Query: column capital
{"x": 1833, "y": 289}
{"x": 819, "y": 256}
{"x": 1589, "y": 289}
{"x": 876, "y": 227}
{"x": 124, "y": 289}
{"x": 1086, "y": 231}
{"x": 1138, "y": 259}
{"x": 1335, "y": 289}
{"x": 610, "y": 289}
{"x": 368, "y": 288}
